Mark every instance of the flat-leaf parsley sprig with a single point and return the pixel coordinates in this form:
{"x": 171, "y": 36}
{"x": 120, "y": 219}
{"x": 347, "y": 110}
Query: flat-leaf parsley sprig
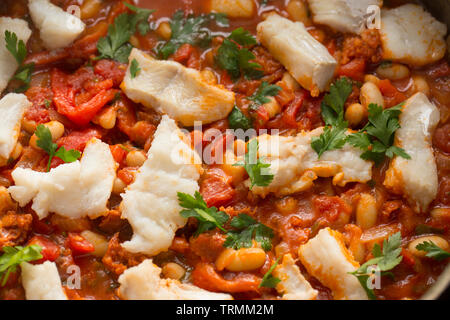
{"x": 196, "y": 207}
{"x": 255, "y": 167}
{"x": 18, "y": 49}
{"x": 45, "y": 143}
{"x": 235, "y": 57}
{"x": 386, "y": 260}
{"x": 247, "y": 229}
{"x": 269, "y": 281}
{"x": 115, "y": 45}
{"x": 376, "y": 139}
{"x": 433, "y": 251}
{"x": 14, "y": 256}
{"x": 332, "y": 110}
{"x": 190, "y": 30}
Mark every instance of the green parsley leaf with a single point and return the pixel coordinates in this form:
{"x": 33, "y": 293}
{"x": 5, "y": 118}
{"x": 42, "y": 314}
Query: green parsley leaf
{"x": 269, "y": 281}
{"x": 265, "y": 90}
{"x": 238, "y": 120}
{"x": 386, "y": 259}
{"x": 140, "y": 19}
{"x": 134, "y": 68}
{"x": 68, "y": 155}
{"x": 433, "y": 251}
{"x": 45, "y": 143}
{"x": 14, "y": 256}
{"x": 237, "y": 60}
{"x": 332, "y": 138}
{"x": 47, "y": 103}
{"x": 19, "y": 51}
{"x": 255, "y": 166}
{"x": 242, "y": 37}
{"x": 376, "y": 139}
{"x": 191, "y": 29}
{"x": 196, "y": 207}
{"x": 15, "y": 47}
{"x": 247, "y": 229}
{"x": 332, "y": 109}
{"x": 426, "y": 229}
{"x": 333, "y": 102}
{"x": 115, "y": 45}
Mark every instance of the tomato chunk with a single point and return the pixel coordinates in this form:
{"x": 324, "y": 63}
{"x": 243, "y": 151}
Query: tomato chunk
{"x": 216, "y": 188}
{"x": 354, "y": 69}
{"x": 64, "y": 97}
{"x": 79, "y": 245}
{"x": 50, "y": 250}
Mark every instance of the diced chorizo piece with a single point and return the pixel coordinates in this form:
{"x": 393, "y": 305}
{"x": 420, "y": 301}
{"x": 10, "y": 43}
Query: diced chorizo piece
{"x": 14, "y": 228}
{"x": 117, "y": 259}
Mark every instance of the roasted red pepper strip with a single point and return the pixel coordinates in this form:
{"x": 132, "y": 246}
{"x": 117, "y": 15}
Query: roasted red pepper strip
{"x": 64, "y": 99}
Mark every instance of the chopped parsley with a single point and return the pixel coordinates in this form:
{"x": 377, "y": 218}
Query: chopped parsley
{"x": 333, "y": 103}
{"x": 233, "y": 57}
{"x": 18, "y": 49}
{"x": 191, "y": 29}
{"x": 140, "y": 19}
{"x": 115, "y": 45}
{"x": 45, "y": 143}
{"x": 134, "y": 68}
{"x": 433, "y": 251}
{"x": 332, "y": 109}
{"x": 376, "y": 139}
{"x": 332, "y": 138}
{"x": 14, "y": 256}
{"x": 256, "y": 168}
{"x": 247, "y": 229}
{"x": 238, "y": 120}
{"x": 269, "y": 281}
{"x": 386, "y": 259}
{"x": 264, "y": 91}
{"x": 196, "y": 207}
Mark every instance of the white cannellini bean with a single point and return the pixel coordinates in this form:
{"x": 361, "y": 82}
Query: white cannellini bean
{"x": 244, "y": 259}
{"x": 355, "y": 114}
{"x": 173, "y": 270}
{"x": 98, "y": 241}
{"x": 298, "y": 11}
{"x": 118, "y": 186}
{"x": 164, "y": 30}
{"x": 394, "y": 71}
{"x": 135, "y": 158}
{"x": 366, "y": 211}
{"x": 90, "y": 8}
{"x": 437, "y": 240}
{"x": 370, "y": 94}
{"x": 421, "y": 85}
{"x": 290, "y": 82}
{"x": 56, "y": 128}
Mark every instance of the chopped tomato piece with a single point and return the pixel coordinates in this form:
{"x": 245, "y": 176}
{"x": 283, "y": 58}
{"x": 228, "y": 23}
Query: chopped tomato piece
{"x": 50, "y": 250}
{"x": 290, "y": 114}
{"x": 64, "y": 95}
{"x": 38, "y": 112}
{"x": 391, "y": 95}
{"x": 79, "y": 245}
{"x": 188, "y": 55}
{"x": 118, "y": 152}
{"x": 354, "y": 69}
{"x": 127, "y": 175}
{"x": 330, "y": 208}
{"x": 110, "y": 69}
{"x": 216, "y": 188}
